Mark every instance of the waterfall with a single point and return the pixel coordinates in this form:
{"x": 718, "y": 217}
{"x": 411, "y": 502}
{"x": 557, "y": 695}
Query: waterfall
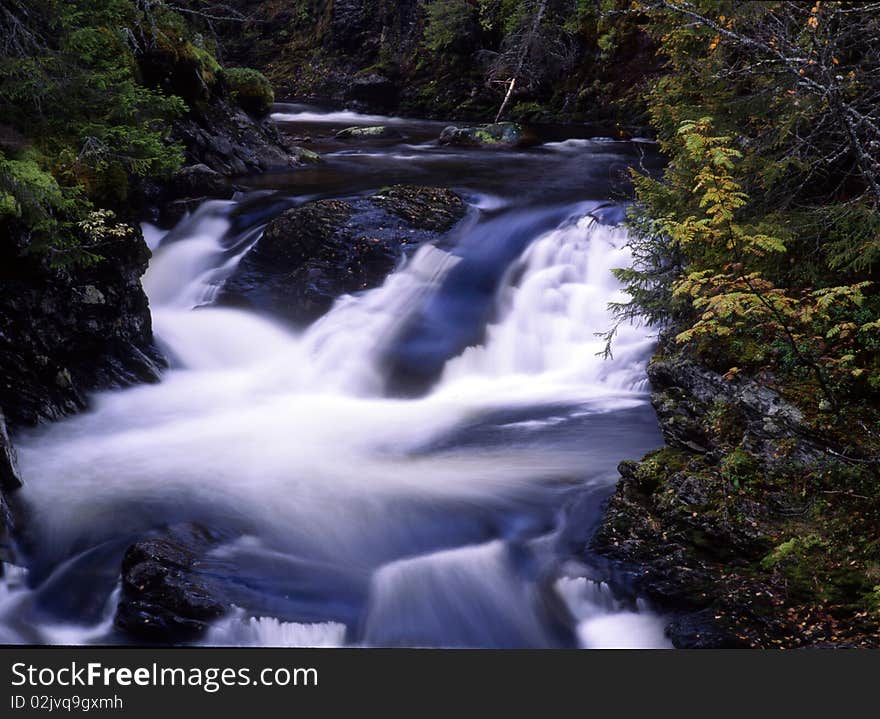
{"x": 262, "y": 430}
{"x": 551, "y": 308}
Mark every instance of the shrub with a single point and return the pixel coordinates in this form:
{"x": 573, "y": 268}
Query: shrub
{"x": 450, "y": 25}
{"x": 250, "y": 89}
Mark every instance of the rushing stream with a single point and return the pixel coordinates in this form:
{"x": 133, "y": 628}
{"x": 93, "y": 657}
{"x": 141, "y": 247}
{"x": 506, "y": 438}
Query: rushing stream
{"x": 455, "y": 518}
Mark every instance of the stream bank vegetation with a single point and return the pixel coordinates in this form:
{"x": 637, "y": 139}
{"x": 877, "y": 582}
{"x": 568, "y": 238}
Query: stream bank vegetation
{"x": 757, "y": 252}
{"x": 89, "y": 93}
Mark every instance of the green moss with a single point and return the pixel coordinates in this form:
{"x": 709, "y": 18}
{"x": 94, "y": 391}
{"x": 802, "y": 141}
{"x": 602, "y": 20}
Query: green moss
{"x": 657, "y": 466}
{"x": 725, "y": 422}
{"x": 791, "y": 549}
{"x": 529, "y": 111}
{"x": 89, "y": 111}
{"x": 818, "y": 570}
{"x": 739, "y": 467}
{"x": 372, "y": 131}
{"x": 874, "y": 599}
{"x": 250, "y": 89}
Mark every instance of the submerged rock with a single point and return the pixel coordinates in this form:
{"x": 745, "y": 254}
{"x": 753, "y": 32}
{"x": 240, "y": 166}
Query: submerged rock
{"x": 310, "y": 255}
{"x": 498, "y": 134}
{"x": 164, "y": 597}
{"x": 305, "y": 156}
{"x": 377, "y": 132}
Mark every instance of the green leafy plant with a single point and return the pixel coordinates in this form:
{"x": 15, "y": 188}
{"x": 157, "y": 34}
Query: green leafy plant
{"x": 250, "y": 89}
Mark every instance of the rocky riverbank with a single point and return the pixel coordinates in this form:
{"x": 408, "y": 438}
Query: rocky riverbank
{"x": 67, "y": 330}
{"x": 446, "y": 60}
{"x": 748, "y": 528}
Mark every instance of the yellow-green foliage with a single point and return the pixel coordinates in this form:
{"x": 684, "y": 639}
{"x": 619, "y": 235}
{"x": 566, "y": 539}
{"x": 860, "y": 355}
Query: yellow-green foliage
{"x": 790, "y": 549}
{"x": 729, "y": 258}
{"x": 761, "y": 240}
{"x": 250, "y": 89}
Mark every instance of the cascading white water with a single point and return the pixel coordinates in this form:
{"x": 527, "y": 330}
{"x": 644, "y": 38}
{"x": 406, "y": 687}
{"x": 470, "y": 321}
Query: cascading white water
{"x": 551, "y": 308}
{"x": 238, "y": 630}
{"x": 604, "y": 623}
{"x": 288, "y": 435}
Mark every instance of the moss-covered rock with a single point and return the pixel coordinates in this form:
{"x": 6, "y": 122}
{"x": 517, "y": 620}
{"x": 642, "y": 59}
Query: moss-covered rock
{"x": 744, "y": 528}
{"x": 304, "y": 156}
{"x": 497, "y": 134}
{"x": 250, "y": 89}
{"x": 375, "y": 132}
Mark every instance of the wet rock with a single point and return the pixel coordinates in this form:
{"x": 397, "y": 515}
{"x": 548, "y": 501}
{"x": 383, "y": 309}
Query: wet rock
{"x": 675, "y": 531}
{"x": 67, "y": 332}
{"x": 165, "y": 598}
{"x": 498, "y": 134}
{"x": 9, "y": 477}
{"x": 10, "y": 480}
{"x": 703, "y": 630}
{"x": 221, "y": 142}
{"x": 685, "y": 393}
{"x": 376, "y": 132}
{"x": 200, "y": 181}
{"x": 305, "y": 156}
{"x": 7, "y": 546}
{"x": 229, "y": 141}
{"x": 425, "y": 208}
{"x": 699, "y": 526}
{"x": 310, "y": 255}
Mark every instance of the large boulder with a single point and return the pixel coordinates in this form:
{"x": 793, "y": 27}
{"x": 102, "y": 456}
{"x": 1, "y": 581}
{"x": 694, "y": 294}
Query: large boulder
{"x": 250, "y": 89}
{"x": 310, "y": 255}
{"x": 199, "y": 180}
{"x": 231, "y": 142}
{"x": 685, "y": 392}
{"x": 498, "y": 134}
{"x": 729, "y": 528}
{"x": 373, "y": 90}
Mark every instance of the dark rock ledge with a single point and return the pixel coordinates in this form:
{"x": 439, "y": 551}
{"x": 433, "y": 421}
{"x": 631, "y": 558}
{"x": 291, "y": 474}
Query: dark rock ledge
{"x": 724, "y": 529}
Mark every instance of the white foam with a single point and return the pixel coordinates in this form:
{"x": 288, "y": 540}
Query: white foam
{"x": 288, "y": 432}
{"x": 551, "y": 306}
{"x": 603, "y": 622}
{"x": 335, "y": 117}
{"x": 239, "y": 631}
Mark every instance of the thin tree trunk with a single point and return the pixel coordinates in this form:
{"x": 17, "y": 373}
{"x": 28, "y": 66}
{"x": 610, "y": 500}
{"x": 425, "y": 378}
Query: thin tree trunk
{"x": 523, "y": 55}
{"x": 507, "y": 96}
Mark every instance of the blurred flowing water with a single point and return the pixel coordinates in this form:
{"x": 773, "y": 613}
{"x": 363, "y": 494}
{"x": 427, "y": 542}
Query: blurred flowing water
{"x": 351, "y": 514}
